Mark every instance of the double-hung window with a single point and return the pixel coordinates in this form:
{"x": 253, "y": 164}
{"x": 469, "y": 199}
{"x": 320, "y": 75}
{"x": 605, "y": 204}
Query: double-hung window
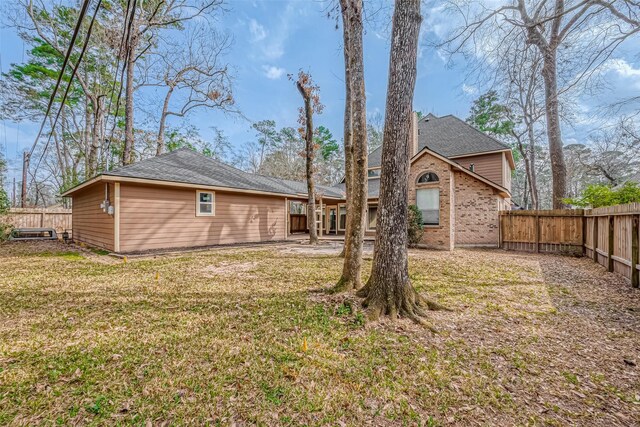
{"x": 428, "y": 201}
{"x": 372, "y": 217}
{"x": 205, "y": 203}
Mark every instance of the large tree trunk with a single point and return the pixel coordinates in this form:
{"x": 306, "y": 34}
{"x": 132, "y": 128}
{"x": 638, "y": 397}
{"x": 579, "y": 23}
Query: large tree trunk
{"x": 163, "y": 120}
{"x": 558, "y": 167}
{"x": 348, "y": 141}
{"x": 308, "y": 136}
{"x": 389, "y": 290}
{"x": 357, "y": 195}
{"x": 129, "y": 88}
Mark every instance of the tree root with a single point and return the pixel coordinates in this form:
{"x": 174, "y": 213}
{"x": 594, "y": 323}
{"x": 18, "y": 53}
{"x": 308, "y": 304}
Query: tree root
{"x": 407, "y": 304}
{"x": 344, "y": 285}
{"x": 432, "y": 305}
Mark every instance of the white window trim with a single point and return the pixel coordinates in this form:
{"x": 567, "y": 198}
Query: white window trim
{"x": 213, "y": 203}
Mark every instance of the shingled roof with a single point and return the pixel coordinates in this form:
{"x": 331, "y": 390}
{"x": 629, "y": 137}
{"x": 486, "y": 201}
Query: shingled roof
{"x": 448, "y": 136}
{"x": 373, "y": 188}
{"x": 188, "y": 167}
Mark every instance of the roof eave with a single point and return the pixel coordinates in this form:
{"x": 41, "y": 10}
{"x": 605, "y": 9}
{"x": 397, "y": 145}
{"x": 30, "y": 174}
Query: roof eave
{"x": 82, "y": 185}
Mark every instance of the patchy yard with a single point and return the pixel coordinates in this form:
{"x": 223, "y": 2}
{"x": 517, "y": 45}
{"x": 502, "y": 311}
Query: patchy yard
{"x": 217, "y": 337}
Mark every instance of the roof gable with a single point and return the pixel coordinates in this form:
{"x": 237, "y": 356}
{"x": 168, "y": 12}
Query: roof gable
{"x": 503, "y": 191}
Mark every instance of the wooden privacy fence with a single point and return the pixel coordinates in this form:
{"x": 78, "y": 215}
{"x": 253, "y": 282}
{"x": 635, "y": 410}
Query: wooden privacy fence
{"x": 611, "y": 239}
{"x": 297, "y": 223}
{"x": 57, "y": 218}
{"x": 608, "y": 235}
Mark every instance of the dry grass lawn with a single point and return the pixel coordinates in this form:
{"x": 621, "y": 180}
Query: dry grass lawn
{"x": 217, "y": 338}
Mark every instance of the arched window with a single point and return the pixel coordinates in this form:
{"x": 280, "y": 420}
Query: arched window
{"x": 428, "y": 177}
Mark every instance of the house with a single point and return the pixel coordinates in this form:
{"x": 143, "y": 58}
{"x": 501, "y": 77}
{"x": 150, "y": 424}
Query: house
{"x": 460, "y": 179}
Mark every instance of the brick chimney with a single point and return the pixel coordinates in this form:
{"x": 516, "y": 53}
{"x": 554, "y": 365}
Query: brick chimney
{"x": 413, "y": 138}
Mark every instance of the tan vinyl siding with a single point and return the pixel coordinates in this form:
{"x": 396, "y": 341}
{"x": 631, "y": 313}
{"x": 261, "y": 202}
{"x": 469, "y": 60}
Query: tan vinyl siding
{"x": 490, "y": 166}
{"x": 89, "y": 223}
{"x": 163, "y": 217}
{"x": 506, "y": 168}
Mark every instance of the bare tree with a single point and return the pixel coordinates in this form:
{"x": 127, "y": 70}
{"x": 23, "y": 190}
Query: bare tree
{"x": 356, "y": 161}
{"x": 191, "y": 71}
{"x": 144, "y": 23}
{"x": 375, "y": 124}
{"x": 522, "y": 73}
{"x": 311, "y": 95}
{"x": 389, "y": 290}
{"x": 286, "y": 156}
{"x": 612, "y": 157}
{"x": 592, "y": 28}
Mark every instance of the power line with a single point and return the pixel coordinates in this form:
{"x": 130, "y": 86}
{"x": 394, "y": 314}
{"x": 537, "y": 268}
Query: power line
{"x": 70, "y": 83}
{"x": 83, "y": 11}
{"x": 124, "y": 41}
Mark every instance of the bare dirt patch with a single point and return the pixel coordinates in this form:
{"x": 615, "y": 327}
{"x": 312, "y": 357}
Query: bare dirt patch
{"x": 326, "y": 247}
{"x": 228, "y": 268}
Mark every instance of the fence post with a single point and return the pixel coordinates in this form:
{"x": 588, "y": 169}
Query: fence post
{"x": 595, "y": 238}
{"x": 584, "y": 233}
{"x": 42, "y": 214}
{"x": 635, "y": 252}
{"x": 537, "y": 219}
{"x": 610, "y": 249}
{"x": 500, "y": 221}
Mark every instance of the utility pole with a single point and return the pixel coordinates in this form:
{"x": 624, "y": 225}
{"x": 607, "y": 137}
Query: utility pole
{"x": 13, "y": 196}
{"x": 25, "y": 168}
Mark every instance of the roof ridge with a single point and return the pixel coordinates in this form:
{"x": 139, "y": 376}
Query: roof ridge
{"x": 143, "y": 160}
{"x": 282, "y": 181}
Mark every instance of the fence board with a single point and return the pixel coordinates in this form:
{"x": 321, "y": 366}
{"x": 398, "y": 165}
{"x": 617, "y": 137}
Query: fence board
{"x": 297, "y": 223}
{"x": 608, "y": 235}
{"x": 56, "y": 218}
{"x": 543, "y": 231}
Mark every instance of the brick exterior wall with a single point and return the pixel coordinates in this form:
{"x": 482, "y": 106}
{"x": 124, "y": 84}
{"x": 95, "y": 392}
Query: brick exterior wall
{"x": 468, "y": 207}
{"x": 476, "y": 210}
{"x": 440, "y": 236}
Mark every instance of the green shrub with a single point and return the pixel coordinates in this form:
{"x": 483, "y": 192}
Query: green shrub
{"x": 414, "y": 226}
{"x": 5, "y": 230}
{"x": 4, "y": 202}
{"x": 599, "y": 195}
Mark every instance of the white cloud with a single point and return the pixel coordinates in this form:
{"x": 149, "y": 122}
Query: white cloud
{"x": 623, "y": 69}
{"x": 257, "y": 31}
{"x": 468, "y": 89}
{"x": 271, "y": 39}
{"x": 273, "y": 50}
{"x": 272, "y": 72}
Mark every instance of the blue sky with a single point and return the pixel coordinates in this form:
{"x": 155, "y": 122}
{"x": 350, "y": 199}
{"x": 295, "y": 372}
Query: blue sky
{"x": 274, "y": 38}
